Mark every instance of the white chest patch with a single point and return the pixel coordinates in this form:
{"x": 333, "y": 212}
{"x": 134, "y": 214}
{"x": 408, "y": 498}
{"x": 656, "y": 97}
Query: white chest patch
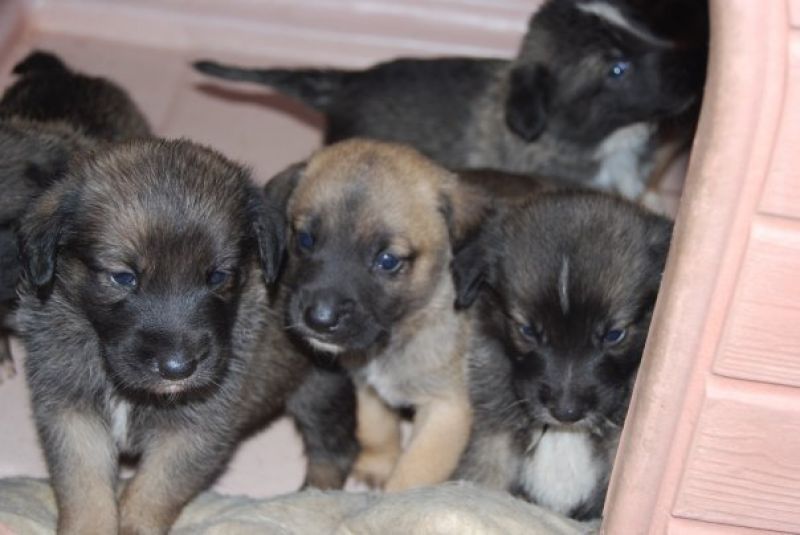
{"x": 623, "y": 166}
{"x": 562, "y": 471}
{"x": 385, "y": 385}
{"x": 120, "y": 411}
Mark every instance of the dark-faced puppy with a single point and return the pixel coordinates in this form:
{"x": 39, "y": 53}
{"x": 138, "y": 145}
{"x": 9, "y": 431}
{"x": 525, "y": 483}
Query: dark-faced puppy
{"x": 367, "y": 281}
{"x": 583, "y": 100}
{"x": 144, "y": 312}
{"x": 570, "y": 281}
{"x": 48, "y": 90}
{"x": 47, "y": 116}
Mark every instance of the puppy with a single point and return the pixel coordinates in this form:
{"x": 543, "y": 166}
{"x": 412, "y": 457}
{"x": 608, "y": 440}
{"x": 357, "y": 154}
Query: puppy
{"x": 48, "y": 115}
{"x": 569, "y": 282}
{"x": 367, "y": 282}
{"x": 48, "y": 90}
{"x": 144, "y": 312}
{"x": 583, "y": 100}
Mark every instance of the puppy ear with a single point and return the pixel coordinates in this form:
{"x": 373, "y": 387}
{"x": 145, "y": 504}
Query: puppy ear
{"x": 41, "y": 231}
{"x": 267, "y": 226}
{"x": 659, "y": 236}
{"x": 466, "y": 208}
{"x": 268, "y": 213}
{"x": 280, "y": 187}
{"x": 528, "y": 101}
{"x": 469, "y": 268}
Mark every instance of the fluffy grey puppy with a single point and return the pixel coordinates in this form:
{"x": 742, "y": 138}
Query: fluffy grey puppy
{"x": 144, "y": 312}
{"x": 595, "y": 89}
{"x": 565, "y": 285}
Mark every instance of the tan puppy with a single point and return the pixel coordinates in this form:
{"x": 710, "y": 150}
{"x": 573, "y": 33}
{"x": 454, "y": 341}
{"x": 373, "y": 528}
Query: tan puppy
{"x": 371, "y": 229}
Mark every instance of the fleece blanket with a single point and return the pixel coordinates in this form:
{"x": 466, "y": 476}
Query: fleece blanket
{"x": 27, "y": 507}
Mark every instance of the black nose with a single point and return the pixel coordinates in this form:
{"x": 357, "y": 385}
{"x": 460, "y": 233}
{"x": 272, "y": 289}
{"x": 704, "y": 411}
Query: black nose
{"x": 325, "y": 314}
{"x": 176, "y": 366}
{"x": 567, "y": 411}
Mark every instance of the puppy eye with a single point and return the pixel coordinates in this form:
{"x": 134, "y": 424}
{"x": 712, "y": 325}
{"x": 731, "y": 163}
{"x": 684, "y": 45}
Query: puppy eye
{"x": 305, "y": 240}
{"x": 530, "y": 332}
{"x": 388, "y": 262}
{"x": 124, "y": 278}
{"x": 618, "y": 69}
{"x": 614, "y": 336}
{"x": 215, "y": 278}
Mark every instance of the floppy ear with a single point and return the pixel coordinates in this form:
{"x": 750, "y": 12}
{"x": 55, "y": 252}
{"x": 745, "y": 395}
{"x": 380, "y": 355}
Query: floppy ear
{"x": 280, "y": 187}
{"x": 267, "y": 227}
{"x": 466, "y": 208}
{"x": 470, "y": 268}
{"x": 268, "y": 213}
{"x": 659, "y": 236}
{"x": 528, "y": 100}
{"x": 41, "y": 231}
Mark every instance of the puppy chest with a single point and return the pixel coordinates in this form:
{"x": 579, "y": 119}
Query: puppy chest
{"x": 119, "y": 424}
{"x": 563, "y": 471}
{"x": 390, "y": 386}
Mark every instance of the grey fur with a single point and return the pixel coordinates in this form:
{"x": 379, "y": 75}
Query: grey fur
{"x": 543, "y": 375}
{"x": 172, "y": 213}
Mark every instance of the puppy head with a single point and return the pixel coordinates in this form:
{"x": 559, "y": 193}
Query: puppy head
{"x": 152, "y": 244}
{"x": 589, "y": 67}
{"x": 572, "y": 279}
{"x": 369, "y": 240}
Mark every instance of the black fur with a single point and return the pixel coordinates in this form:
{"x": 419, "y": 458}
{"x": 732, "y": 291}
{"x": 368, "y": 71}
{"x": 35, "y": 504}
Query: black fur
{"x": 562, "y": 270}
{"x": 548, "y": 111}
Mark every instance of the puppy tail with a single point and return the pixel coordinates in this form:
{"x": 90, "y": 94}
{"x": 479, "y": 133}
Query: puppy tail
{"x": 39, "y": 61}
{"x": 314, "y": 87}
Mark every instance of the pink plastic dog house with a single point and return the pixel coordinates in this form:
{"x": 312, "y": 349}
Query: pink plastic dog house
{"x": 712, "y": 442}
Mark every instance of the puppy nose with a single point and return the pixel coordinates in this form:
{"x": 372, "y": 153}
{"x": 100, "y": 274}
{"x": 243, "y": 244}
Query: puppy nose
{"x": 326, "y": 314}
{"x": 567, "y": 412}
{"x": 176, "y": 366}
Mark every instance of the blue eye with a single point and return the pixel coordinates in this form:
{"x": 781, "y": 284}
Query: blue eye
{"x": 215, "y": 278}
{"x": 527, "y": 331}
{"x": 618, "y": 69}
{"x": 388, "y": 262}
{"x": 305, "y": 240}
{"x": 614, "y": 336}
{"x": 124, "y": 278}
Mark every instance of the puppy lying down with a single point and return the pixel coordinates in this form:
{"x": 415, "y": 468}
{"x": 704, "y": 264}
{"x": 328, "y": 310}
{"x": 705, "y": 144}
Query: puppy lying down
{"x": 569, "y": 281}
{"x": 144, "y": 313}
{"x": 367, "y": 282}
{"x": 596, "y": 95}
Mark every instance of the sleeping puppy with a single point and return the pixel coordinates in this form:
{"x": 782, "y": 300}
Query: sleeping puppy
{"x": 569, "y": 283}
{"x": 47, "y": 116}
{"x": 583, "y": 100}
{"x": 367, "y": 282}
{"x": 48, "y": 90}
{"x": 144, "y": 312}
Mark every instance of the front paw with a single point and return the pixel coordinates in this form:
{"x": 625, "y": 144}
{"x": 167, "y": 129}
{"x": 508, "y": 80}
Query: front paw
{"x": 374, "y": 467}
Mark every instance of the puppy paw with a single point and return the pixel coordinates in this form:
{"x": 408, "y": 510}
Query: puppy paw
{"x": 374, "y": 468}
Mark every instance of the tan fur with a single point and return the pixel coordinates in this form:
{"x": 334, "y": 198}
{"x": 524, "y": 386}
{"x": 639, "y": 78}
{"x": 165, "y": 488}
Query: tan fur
{"x": 155, "y": 496}
{"x": 379, "y": 435}
{"x": 421, "y": 206}
{"x": 93, "y": 466}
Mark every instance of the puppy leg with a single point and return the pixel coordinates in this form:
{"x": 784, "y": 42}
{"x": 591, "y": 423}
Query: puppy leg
{"x": 378, "y": 432}
{"x": 441, "y": 431}
{"x": 175, "y": 467}
{"x": 324, "y": 411}
{"x": 83, "y": 470}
